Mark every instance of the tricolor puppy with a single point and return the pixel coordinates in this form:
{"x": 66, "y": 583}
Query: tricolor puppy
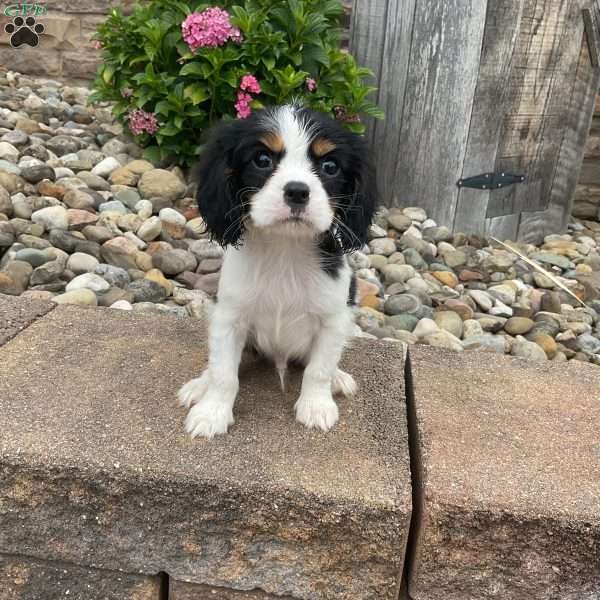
{"x": 289, "y": 193}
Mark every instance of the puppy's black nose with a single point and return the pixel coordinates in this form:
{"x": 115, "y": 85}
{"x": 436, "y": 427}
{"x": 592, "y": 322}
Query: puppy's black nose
{"x": 295, "y": 194}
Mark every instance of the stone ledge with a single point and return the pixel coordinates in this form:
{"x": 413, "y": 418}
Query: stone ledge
{"x": 24, "y": 578}
{"x": 95, "y": 468}
{"x": 509, "y": 481}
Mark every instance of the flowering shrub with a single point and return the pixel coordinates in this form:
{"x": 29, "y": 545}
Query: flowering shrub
{"x": 174, "y": 67}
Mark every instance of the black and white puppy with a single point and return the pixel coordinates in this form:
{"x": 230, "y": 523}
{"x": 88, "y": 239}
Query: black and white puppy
{"x": 289, "y": 193}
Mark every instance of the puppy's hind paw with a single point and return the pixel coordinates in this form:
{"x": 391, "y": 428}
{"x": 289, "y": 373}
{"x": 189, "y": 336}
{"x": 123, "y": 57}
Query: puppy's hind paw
{"x": 193, "y": 391}
{"x": 343, "y": 383}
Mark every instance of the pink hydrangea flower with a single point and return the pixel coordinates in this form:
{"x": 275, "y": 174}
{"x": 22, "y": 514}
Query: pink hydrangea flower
{"x": 141, "y": 121}
{"x": 126, "y": 92}
{"x": 249, "y": 83}
{"x": 242, "y": 106}
{"x": 209, "y": 29}
{"x": 96, "y": 44}
{"x": 311, "y": 84}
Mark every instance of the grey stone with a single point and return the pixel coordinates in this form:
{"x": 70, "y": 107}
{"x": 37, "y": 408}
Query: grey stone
{"x": 114, "y": 275}
{"x": 548, "y": 258}
{"x": 402, "y": 303}
{"x": 384, "y": 246}
{"x": 173, "y": 262}
{"x": 449, "y": 321}
{"x": 62, "y": 144}
{"x": 33, "y": 256}
{"x": 587, "y": 343}
{"x": 14, "y": 278}
{"x": 145, "y": 290}
{"x": 208, "y": 512}
{"x": 47, "y": 272}
{"x": 529, "y": 350}
{"x": 38, "y": 173}
{"x": 94, "y": 182}
{"x": 6, "y": 206}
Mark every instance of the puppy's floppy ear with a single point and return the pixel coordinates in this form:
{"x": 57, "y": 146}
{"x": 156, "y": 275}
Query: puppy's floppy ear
{"x": 357, "y": 214}
{"x": 218, "y": 201}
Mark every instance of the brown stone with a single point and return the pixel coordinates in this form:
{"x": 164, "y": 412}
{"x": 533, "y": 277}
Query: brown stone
{"x": 466, "y": 275}
{"x": 101, "y": 472}
{"x": 79, "y": 219}
{"x": 16, "y": 314}
{"x": 460, "y": 308}
{"x": 546, "y": 343}
{"x": 446, "y": 278}
{"x": 24, "y": 578}
{"x": 48, "y": 188}
{"x": 507, "y": 452}
{"x": 123, "y": 176}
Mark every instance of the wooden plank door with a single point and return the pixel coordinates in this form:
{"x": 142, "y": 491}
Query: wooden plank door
{"x": 534, "y": 48}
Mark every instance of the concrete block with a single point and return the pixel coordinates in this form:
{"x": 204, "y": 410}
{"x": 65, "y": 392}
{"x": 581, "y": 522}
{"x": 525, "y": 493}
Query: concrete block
{"x": 17, "y": 314}
{"x": 23, "y": 578}
{"x": 509, "y": 484}
{"x": 95, "y": 468}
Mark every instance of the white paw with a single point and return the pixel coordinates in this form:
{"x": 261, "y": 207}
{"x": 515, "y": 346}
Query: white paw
{"x": 193, "y": 390}
{"x": 318, "y": 411}
{"x": 209, "y": 418}
{"x": 343, "y": 383}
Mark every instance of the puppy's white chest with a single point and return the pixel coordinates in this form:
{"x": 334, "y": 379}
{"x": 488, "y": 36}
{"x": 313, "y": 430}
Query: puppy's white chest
{"x": 284, "y": 314}
{"x": 283, "y": 297}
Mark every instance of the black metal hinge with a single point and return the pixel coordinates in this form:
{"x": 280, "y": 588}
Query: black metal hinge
{"x": 491, "y": 181}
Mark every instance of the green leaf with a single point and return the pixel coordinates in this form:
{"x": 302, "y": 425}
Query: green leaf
{"x": 108, "y": 73}
{"x": 191, "y": 68}
{"x": 152, "y": 153}
{"x": 196, "y": 92}
{"x": 169, "y": 129}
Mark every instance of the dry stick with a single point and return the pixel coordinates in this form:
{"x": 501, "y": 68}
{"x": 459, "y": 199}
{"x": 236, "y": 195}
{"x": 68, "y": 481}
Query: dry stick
{"x": 535, "y": 265}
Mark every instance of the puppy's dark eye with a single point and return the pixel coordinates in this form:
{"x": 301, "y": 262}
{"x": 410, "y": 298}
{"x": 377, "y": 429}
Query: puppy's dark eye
{"x": 262, "y": 160}
{"x": 330, "y": 167}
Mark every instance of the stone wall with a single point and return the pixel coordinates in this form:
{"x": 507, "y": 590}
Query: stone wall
{"x": 65, "y": 49}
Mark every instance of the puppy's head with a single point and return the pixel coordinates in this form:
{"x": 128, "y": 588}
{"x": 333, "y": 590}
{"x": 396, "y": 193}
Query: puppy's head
{"x": 286, "y": 171}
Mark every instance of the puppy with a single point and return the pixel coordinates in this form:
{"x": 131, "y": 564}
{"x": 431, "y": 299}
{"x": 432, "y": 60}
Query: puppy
{"x": 288, "y": 192}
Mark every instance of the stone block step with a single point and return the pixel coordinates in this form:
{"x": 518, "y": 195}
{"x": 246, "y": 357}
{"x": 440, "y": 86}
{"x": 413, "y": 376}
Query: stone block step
{"x": 508, "y": 478}
{"x": 95, "y": 468}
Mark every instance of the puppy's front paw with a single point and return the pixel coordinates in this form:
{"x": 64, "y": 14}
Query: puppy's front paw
{"x": 319, "y": 411}
{"x": 209, "y": 417}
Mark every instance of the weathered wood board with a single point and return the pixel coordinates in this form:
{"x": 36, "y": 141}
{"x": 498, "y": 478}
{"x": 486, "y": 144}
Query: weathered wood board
{"x": 471, "y": 87}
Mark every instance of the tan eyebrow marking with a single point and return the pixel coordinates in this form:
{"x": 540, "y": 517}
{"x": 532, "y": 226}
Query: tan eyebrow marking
{"x": 273, "y": 141}
{"x": 322, "y": 146}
